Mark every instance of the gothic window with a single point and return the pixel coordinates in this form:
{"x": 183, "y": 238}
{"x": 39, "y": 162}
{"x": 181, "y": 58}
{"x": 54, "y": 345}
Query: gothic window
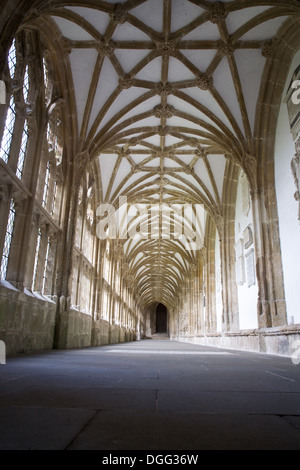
{"x": 8, "y": 239}
{"x": 11, "y": 115}
{"x": 11, "y": 111}
{"x": 37, "y": 251}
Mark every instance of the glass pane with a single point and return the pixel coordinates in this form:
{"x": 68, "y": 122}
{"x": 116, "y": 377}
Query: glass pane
{"x": 26, "y": 86}
{"x": 36, "y": 259}
{"x": 7, "y": 242}
{"x": 23, "y": 151}
{"x": 12, "y": 59}
{"x": 54, "y": 198}
{"x": 46, "y": 266}
{"x": 8, "y": 131}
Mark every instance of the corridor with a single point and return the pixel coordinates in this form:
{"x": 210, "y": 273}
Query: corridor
{"x": 149, "y": 395}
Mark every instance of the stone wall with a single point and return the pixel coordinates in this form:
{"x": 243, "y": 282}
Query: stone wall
{"x": 281, "y": 341}
{"x": 27, "y": 322}
{"x": 79, "y": 329}
{"x": 100, "y": 333}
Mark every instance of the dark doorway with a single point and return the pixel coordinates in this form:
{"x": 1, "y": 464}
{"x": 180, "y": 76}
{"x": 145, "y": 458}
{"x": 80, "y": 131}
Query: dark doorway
{"x": 161, "y": 319}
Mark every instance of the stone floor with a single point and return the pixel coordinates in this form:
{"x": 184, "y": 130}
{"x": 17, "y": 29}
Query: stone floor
{"x": 149, "y": 395}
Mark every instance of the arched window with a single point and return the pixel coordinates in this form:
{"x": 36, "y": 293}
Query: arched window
{"x": 11, "y": 115}
{"x": 11, "y": 111}
{"x": 15, "y": 130}
{"x": 7, "y": 242}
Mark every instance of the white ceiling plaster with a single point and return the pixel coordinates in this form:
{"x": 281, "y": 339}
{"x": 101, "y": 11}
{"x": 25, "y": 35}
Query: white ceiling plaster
{"x": 128, "y": 32}
{"x": 82, "y": 69}
{"x": 154, "y": 140}
{"x": 170, "y": 140}
{"x": 205, "y": 98}
{"x": 124, "y": 169}
{"x": 135, "y": 180}
{"x": 205, "y": 32}
{"x": 107, "y": 165}
{"x": 238, "y": 18}
{"x": 154, "y": 163}
{"x": 201, "y": 58}
{"x": 202, "y": 173}
{"x": 185, "y": 123}
{"x": 168, "y": 163}
{"x": 98, "y": 19}
{"x": 187, "y": 108}
{"x": 107, "y": 84}
{"x": 218, "y": 165}
{"x": 184, "y": 13}
{"x": 223, "y": 83}
{"x": 71, "y": 30}
{"x": 152, "y": 71}
{"x": 178, "y": 71}
{"x": 264, "y": 31}
{"x": 130, "y": 58}
{"x": 150, "y": 13}
{"x": 251, "y": 67}
{"x": 140, "y": 109}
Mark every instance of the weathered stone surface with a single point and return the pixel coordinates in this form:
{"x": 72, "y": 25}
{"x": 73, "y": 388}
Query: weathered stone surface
{"x": 26, "y": 322}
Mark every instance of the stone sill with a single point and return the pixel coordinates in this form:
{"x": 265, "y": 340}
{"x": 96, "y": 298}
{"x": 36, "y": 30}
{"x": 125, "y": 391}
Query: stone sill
{"x": 73, "y": 308}
{"x": 242, "y": 333}
{"x": 8, "y": 291}
{"x": 276, "y": 331}
{"x": 282, "y": 330}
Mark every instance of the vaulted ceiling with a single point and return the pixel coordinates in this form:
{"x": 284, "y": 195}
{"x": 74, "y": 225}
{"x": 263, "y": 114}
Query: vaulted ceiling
{"x": 166, "y": 94}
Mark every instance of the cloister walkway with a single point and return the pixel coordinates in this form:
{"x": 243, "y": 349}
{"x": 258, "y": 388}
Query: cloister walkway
{"x": 149, "y": 395}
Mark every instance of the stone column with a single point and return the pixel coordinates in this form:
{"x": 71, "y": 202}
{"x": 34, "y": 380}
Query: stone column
{"x": 271, "y": 297}
{"x": 259, "y": 214}
{"x": 67, "y": 251}
{"x": 295, "y": 167}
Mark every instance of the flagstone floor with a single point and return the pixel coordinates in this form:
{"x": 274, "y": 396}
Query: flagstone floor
{"x": 149, "y": 395}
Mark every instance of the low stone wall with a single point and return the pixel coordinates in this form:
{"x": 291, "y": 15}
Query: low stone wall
{"x": 103, "y": 333}
{"x": 27, "y": 322}
{"x": 100, "y": 333}
{"x": 79, "y": 329}
{"x": 281, "y": 341}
